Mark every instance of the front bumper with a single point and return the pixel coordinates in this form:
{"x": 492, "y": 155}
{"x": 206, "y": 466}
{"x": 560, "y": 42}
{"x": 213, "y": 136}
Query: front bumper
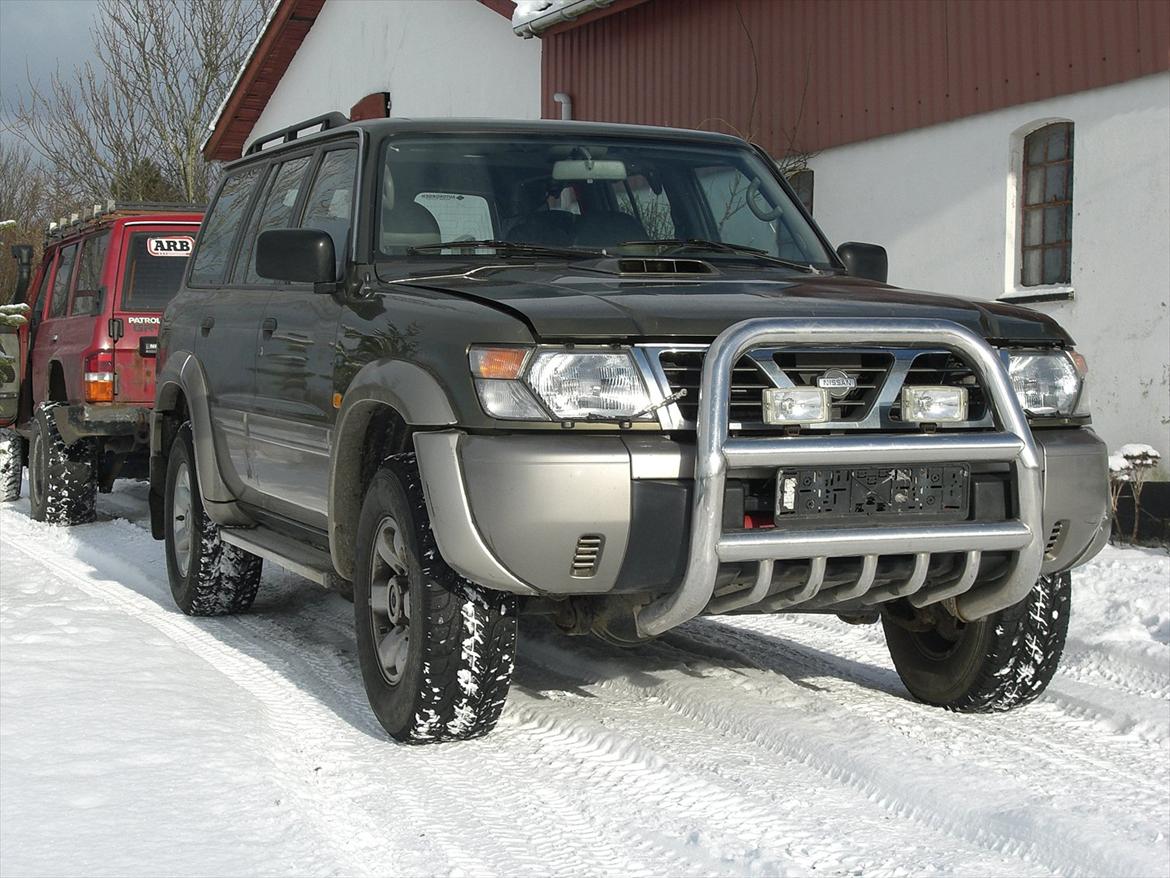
{"x": 512, "y": 511}
{"x": 85, "y": 420}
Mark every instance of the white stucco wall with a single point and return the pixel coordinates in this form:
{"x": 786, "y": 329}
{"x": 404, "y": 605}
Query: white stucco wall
{"x": 435, "y": 57}
{"x": 942, "y": 201}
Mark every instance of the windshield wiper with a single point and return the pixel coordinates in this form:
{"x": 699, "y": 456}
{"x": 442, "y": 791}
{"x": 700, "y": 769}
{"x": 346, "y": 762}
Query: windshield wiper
{"x": 519, "y": 247}
{"x": 678, "y": 245}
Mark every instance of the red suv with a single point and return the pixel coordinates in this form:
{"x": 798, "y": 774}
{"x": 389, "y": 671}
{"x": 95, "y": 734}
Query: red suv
{"x": 75, "y": 397}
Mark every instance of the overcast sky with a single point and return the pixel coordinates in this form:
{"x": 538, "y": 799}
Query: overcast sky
{"x": 38, "y": 37}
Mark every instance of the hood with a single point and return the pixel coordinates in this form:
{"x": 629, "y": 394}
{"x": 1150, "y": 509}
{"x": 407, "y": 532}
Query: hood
{"x": 568, "y": 303}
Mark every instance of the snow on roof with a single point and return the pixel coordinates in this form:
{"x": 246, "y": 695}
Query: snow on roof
{"x": 531, "y": 17}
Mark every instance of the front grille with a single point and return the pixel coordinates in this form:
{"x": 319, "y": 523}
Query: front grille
{"x": 869, "y": 370}
{"x": 943, "y": 369}
{"x": 684, "y": 371}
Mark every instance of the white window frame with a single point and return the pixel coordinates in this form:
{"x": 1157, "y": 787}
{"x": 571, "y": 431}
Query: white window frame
{"x": 1014, "y": 291}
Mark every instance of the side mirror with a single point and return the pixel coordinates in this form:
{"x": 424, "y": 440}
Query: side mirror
{"x": 296, "y": 255}
{"x": 865, "y": 260}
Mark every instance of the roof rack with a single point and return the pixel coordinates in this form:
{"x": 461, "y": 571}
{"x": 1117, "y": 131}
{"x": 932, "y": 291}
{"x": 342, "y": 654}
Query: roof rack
{"x": 321, "y": 123}
{"x": 81, "y": 220}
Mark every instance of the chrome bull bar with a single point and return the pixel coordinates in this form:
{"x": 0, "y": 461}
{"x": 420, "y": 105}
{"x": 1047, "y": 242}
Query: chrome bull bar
{"x": 717, "y": 452}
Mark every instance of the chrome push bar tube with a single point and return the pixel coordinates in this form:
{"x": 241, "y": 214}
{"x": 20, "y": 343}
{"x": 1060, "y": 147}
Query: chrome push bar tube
{"x": 716, "y": 452}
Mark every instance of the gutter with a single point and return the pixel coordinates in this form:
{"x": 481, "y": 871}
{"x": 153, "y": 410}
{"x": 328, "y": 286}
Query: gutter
{"x": 569, "y": 11}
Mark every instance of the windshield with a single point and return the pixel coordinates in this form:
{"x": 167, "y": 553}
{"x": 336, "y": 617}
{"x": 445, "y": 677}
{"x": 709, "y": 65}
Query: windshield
{"x": 588, "y": 194}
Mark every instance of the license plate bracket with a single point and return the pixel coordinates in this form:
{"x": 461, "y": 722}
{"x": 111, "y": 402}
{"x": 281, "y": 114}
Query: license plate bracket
{"x": 852, "y": 493}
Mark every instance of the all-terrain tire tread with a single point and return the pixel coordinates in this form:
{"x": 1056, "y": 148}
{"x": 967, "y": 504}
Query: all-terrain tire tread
{"x": 1026, "y": 646}
{"x": 465, "y": 688}
{"x": 11, "y": 464}
{"x": 71, "y": 474}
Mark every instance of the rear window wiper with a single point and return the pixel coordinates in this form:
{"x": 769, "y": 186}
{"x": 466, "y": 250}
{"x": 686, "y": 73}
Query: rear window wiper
{"x": 677, "y": 245}
{"x": 506, "y": 247}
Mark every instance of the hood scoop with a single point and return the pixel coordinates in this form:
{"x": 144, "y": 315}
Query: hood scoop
{"x": 658, "y": 266}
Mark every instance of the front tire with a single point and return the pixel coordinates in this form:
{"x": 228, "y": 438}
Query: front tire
{"x": 436, "y": 650}
{"x": 208, "y": 576}
{"x": 11, "y": 464}
{"x": 62, "y": 479}
{"x": 994, "y": 664}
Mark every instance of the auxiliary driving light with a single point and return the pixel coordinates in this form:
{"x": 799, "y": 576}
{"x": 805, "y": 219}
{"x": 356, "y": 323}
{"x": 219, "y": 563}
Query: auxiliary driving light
{"x": 933, "y": 405}
{"x": 796, "y": 405}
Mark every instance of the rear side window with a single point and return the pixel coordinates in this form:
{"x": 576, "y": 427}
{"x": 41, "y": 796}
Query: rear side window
{"x": 274, "y": 212}
{"x": 61, "y": 281}
{"x": 154, "y": 269}
{"x": 330, "y": 201}
{"x": 87, "y": 295}
{"x": 220, "y": 227}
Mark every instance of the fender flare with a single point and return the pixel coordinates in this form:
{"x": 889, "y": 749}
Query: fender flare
{"x": 414, "y": 395}
{"x": 183, "y": 374}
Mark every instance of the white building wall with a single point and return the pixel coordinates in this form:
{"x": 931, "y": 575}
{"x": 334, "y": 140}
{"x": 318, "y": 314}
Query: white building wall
{"x": 942, "y": 201}
{"x": 434, "y": 57}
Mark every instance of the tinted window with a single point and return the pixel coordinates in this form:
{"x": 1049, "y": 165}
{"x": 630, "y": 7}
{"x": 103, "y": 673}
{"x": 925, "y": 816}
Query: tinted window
{"x": 89, "y": 275}
{"x": 591, "y": 192}
{"x": 154, "y": 269}
{"x": 330, "y": 201}
{"x": 220, "y": 227}
{"x": 61, "y": 281}
{"x": 274, "y": 212}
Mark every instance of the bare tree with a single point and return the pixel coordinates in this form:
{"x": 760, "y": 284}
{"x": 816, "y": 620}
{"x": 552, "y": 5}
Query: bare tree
{"x": 25, "y": 202}
{"x": 132, "y": 124}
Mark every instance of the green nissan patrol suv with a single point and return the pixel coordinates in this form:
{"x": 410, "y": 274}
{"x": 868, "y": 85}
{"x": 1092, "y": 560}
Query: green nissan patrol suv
{"x": 613, "y": 375}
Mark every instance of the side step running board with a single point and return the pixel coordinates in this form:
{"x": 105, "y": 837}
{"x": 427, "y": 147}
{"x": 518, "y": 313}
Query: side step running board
{"x": 298, "y": 557}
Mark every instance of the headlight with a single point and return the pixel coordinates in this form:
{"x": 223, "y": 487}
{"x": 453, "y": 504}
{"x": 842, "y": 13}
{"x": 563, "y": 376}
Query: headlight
{"x": 1050, "y": 383}
{"x": 578, "y": 385}
{"x": 574, "y": 385}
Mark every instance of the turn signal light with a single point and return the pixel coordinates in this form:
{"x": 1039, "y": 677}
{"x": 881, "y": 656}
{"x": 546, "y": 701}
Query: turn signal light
{"x": 99, "y": 377}
{"x": 501, "y": 363}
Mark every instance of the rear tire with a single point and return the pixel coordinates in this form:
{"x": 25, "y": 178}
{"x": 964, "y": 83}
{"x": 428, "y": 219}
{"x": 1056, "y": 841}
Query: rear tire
{"x": 995, "y": 664}
{"x": 208, "y": 576}
{"x": 62, "y": 479}
{"x": 11, "y": 464}
{"x": 436, "y": 650}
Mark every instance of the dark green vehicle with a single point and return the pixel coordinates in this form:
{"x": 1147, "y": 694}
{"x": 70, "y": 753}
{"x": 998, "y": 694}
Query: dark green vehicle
{"x": 617, "y": 376}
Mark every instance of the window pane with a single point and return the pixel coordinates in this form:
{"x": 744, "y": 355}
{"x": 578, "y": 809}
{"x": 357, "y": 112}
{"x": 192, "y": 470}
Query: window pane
{"x": 1054, "y": 265}
{"x": 1035, "y": 190}
{"x": 89, "y": 275}
{"x": 1034, "y": 148}
{"x": 1057, "y": 142}
{"x": 1056, "y": 185}
{"x": 61, "y": 281}
{"x": 331, "y": 199}
{"x": 220, "y": 227}
{"x": 152, "y": 274}
{"x": 275, "y": 213}
{"x": 1031, "y": 276}
{"x": 1033, "y": 227}
{"x": 1054, "y": 224}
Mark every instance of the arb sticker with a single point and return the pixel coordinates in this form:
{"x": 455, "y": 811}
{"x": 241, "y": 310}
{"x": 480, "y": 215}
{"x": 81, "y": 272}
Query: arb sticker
{"x": 175, "y": 245}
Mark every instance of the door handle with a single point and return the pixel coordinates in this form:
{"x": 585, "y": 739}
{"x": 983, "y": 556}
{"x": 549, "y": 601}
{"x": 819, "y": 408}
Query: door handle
{"x": 206, "y": 323}
{"x": 268, "y": 326}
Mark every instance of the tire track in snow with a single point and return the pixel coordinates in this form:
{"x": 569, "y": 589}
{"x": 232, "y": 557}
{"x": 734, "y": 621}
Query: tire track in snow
{"x": 1066, "y": 845}
{"x": 310, "y": 729}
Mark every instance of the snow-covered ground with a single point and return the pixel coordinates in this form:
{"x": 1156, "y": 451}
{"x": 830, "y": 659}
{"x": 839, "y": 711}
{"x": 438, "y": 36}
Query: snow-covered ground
{"x": 134, "y": 740}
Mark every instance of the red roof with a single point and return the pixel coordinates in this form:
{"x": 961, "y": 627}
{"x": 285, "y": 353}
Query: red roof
{"x": 286, "y": 30}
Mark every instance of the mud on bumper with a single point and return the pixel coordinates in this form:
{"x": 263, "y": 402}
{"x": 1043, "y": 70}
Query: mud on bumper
{"x": 573, "y": 514}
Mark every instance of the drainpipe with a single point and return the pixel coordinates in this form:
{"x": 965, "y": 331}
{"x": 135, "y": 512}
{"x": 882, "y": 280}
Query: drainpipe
{"x": 566, "y": 103}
